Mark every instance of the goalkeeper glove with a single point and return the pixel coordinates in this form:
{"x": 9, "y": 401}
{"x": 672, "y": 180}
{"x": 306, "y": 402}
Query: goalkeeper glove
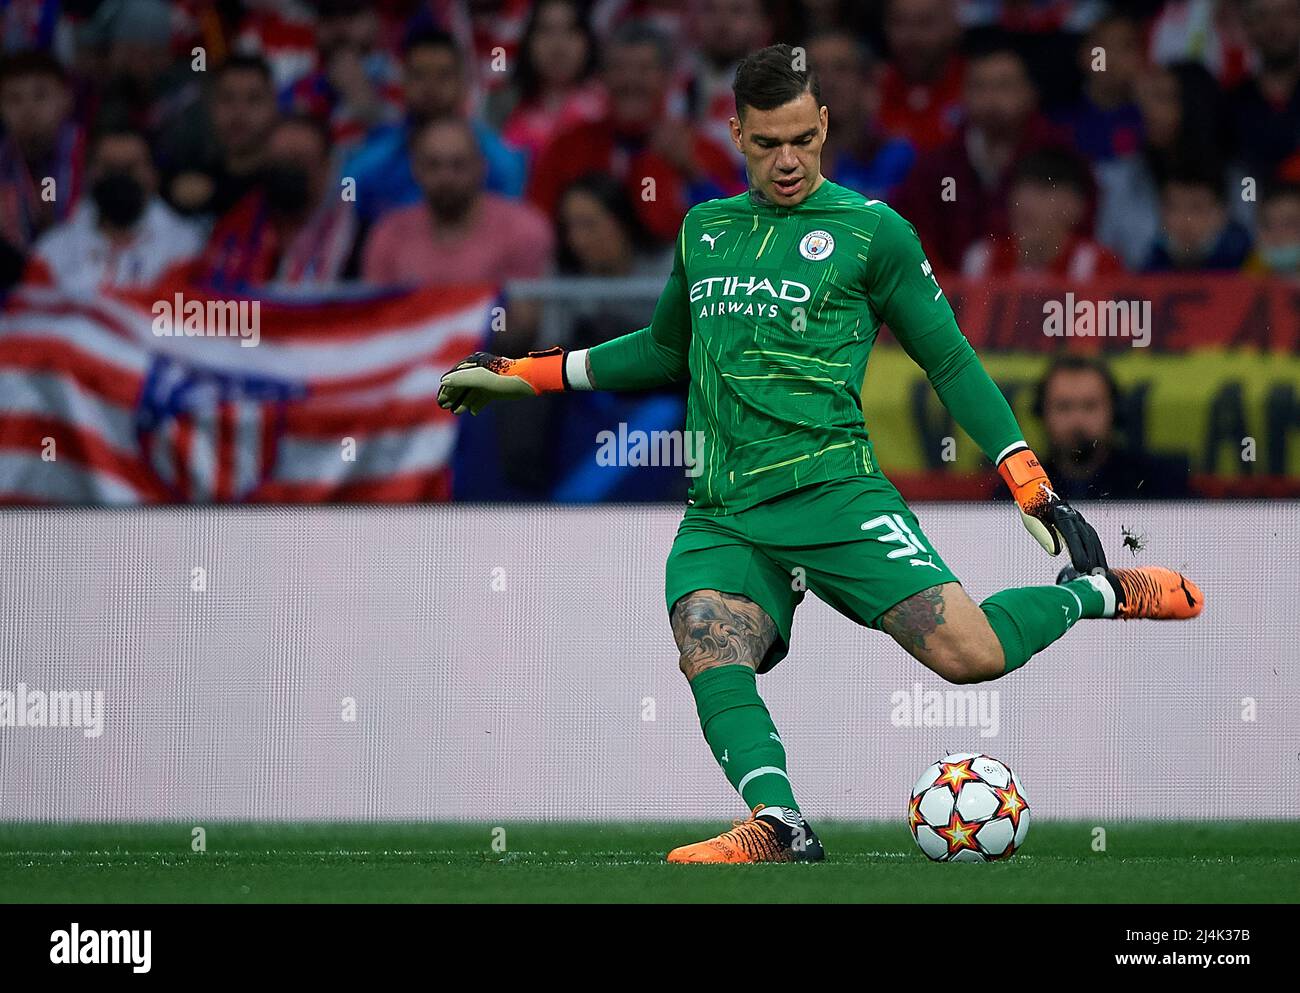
{"x": 1052, "y": 521}
{"x": 480, "y": 378}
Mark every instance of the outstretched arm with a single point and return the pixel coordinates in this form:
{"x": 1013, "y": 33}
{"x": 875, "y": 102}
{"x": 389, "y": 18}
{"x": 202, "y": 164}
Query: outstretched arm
{"x": 653, "y": 356}
{"x": 905, "y": 293}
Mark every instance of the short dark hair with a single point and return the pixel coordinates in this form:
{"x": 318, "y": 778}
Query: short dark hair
{"x": 766, "y": 79}
{"x": 1206, "y": 172}
{"x": 312, "y": 123}
{"x": 431, "y": 38}
{"x": 112, "y": 130}
{"x": 1054, "y": 167}
{"x": 640, "y": 33}
{"x": 1074, "y": 362}
{"x": 32, "y": 63}
{"x": 245, "y": 62}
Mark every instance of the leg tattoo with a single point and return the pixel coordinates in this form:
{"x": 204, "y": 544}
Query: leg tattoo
{"x": 714, "y": 629}
{"x": 915, "y": 619}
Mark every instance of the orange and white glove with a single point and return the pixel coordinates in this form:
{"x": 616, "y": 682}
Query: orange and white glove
{"x": 1052, "y": 521}
{"x": 478, "y": 379}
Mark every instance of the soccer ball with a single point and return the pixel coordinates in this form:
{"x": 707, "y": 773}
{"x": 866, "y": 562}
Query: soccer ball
{"x": 968, "y": 808}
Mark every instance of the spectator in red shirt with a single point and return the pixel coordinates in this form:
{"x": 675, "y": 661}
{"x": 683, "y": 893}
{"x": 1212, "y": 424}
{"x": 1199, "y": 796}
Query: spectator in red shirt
{"x": 957, "y": 195}
{"x": 1048, "y": 212}
{"x": 666, "y": 165}
{"x": 921, "y": 87}
{"x": 554, "y": 85}
{"x": 459, "y": 233}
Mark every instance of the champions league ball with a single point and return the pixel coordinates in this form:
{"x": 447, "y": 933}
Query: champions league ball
{"x": 968, "y": 808}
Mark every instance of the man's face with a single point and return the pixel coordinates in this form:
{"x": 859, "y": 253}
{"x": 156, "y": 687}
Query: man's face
{"x": 435, "y": 85}
{"x": 1077, "y": 411}
{"x": 297, "y": 147}
{"x": 637, "y": 81}
{"x": 1160, "y": 104}
{"x": 999, "y": 96}
{"x": 243, "y": 111}
{"x": 729, "y": 29}
{"x": 32, "y": 108}
{"x": 594, "y": 236}
{"x": 847, "y": 88}
{"x": 1044, "y": 213}
{"x": 1122, "y": 44}
{"x": 123, "y": 153}
{"x": 1193, "y": 218}
{"x": 559, "y": 48}
{"x": 1279, "y": 222}
{"x": 448, "y": 168}
{"x": 922, "y": 34}
{"x": 782, "y": 148}
{"x": 1273, "y": 29}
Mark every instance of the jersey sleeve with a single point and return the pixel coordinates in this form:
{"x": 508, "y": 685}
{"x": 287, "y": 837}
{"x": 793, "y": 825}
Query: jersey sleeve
{"x": 656, "y": 354}
{"x": 904, "y": 292}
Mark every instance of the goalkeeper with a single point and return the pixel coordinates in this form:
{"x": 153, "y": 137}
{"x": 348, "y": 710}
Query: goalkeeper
{"x": 775, "y": 299}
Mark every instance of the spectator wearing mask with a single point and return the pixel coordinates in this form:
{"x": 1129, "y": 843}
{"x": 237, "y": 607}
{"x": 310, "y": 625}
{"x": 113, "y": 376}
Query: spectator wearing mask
{"x": 123, "y": 236}
{"x": 553, "y": 88}
{"x": 435, "y": 87}
{"x": 294, "y": 229}
{"x": 1078, "y": 402}
{"x": 458, "y": 232}
{"x": 856, "y": 153}
{"x": 1277, "y": 245}
{"x": 922, "y": 82}
{"x": 1197, "y": 232}
{"x": 219, "y": 171}
{"x": 638, "y": 143}
{"x": 957, "y": 195}
{"x": 1049, "y": 217}
{"x": 41, "y": 151}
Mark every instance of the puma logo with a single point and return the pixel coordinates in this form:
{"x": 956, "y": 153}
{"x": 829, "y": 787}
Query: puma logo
{"x": 929, "y": 561}
{"x": 711, "y": 238}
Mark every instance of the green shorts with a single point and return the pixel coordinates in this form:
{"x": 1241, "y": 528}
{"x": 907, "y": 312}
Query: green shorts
{"x": 853, "y": 542}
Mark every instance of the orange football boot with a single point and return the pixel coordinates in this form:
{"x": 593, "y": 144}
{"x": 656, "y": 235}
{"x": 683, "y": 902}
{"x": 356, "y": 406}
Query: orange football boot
{"x": 771, "y": 834}
{"x": 1157, "y": 594}
{"x": 1149, "y": 592}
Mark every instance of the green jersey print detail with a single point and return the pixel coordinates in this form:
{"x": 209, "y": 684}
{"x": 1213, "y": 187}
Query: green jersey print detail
{"x": 772, "y": 311}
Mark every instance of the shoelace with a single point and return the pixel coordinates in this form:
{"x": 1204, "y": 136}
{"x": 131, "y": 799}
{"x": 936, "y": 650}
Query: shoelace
{"x": 756, "y": 839}
{"x": 1141, "y": 593}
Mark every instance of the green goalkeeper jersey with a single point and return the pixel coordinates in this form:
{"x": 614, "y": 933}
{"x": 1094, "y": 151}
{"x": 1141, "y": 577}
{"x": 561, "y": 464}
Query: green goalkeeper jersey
{"x": 772, "y": 311}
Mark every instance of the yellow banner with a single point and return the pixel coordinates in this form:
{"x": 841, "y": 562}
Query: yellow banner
{"x": 1233, "y": 412}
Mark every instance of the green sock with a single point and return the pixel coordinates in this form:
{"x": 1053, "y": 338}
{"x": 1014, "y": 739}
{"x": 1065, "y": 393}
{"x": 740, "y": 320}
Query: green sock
{"x": 742, "y": 736}
{"x": 1028, "y": 619}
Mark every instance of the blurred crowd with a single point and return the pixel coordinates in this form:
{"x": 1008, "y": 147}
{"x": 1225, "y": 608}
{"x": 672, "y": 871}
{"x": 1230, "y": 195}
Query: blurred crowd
{"x": 398, "y": 142}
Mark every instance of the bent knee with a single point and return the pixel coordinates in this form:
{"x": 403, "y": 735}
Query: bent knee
{"x": 970, "y": 663}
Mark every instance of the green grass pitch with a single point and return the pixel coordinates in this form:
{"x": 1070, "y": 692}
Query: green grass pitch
{"x": 1235, "y": 862}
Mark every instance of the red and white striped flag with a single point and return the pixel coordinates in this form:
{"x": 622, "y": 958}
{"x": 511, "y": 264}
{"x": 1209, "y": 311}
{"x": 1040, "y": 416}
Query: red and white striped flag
{"x": 336, "y": 402}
